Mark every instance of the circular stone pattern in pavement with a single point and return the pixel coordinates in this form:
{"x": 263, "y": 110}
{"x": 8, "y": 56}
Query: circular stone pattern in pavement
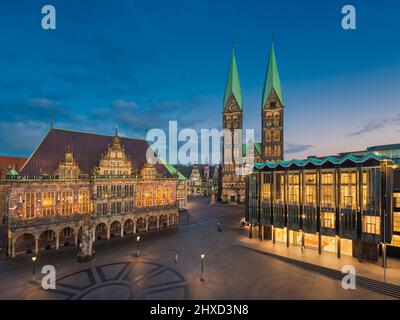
{"x": 118, "y": 281}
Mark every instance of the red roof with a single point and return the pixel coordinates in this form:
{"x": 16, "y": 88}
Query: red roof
{"x": 87, "y": 150}
{"x": 17, "y": 163}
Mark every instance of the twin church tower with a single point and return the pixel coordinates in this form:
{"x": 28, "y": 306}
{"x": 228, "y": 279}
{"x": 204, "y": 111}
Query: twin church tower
{"x": 232, "y": 186}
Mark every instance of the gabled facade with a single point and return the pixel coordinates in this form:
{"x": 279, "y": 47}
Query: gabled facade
{"x": 74, "y": 177}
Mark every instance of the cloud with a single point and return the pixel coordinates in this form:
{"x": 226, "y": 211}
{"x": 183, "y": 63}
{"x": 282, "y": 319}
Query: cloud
{"x": 374, "y": 125}
{"x": 295, "y": 148}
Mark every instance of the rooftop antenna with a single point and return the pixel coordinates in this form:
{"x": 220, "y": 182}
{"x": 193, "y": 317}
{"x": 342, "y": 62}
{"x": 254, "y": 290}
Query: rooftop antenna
{"x": 116, "y": 130}
{"x": 51, "y": 121}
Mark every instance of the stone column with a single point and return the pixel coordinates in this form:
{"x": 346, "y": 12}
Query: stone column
{"x": 36, "y": 245}
{"x": 147, "y": 224}
{"x": 13, "y": 248}
{"x": 167, "y": 220}
{"x": 158, "y": 222}
{"x": 287, "y": 237}
{"x": 108, "y": 232}
{"x": 134, "y": 228}
{"x": 76, "y": 239}
{"x": 122, "y": 230}
{"x": 57, "y": 241}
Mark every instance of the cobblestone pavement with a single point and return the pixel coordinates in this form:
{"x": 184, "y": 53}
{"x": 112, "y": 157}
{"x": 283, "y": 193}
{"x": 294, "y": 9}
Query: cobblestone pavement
{"x": 118, "y": 281}
{"x": 230, "y": 272}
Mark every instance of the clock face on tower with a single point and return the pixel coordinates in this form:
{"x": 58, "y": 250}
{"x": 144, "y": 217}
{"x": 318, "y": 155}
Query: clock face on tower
{"x": 231, "y": 107}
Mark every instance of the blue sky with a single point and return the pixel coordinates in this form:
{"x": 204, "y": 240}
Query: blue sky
{"x": 138, "y": 64}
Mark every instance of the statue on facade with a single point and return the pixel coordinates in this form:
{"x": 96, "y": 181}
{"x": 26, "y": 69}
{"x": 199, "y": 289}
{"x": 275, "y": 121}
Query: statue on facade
{"x": 86, "y": 252}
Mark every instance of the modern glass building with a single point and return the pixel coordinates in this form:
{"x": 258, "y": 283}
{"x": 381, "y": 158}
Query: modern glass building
{"x": 346, "y": 205}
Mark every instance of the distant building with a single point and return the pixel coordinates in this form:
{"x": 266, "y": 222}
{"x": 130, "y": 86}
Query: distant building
{"x": 348, "y": 204}
{"x": 72, "y": 175}
{"x": 202, "y": 180}
{"x": 10, "y": 165}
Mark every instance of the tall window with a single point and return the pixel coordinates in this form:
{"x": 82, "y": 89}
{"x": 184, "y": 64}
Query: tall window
{"x": 396, "y": 212}
{"x": 294, "y": 188}
{"x": 280, "y": 188}
{"x": 328, "y": 219}
{"x": 348, "y": 189}
{"x": 148, "y": 196}
{"x": 266, "y": 188}
{"x": 99, "y": 193}
{"x": 327, "y": 190}
{"x": 83, "y": 201}
{"x": 48, "y": 203}
{"x": 168, "y": 194}
{"x": 30, "y": 205}
{"x": 160, "y": 196}
{"x": 67, "y": 202}
{"x": 139, "y": 197}
{"x": 311, "y": 189}
{"x": 105, "y": 209}
{"x": 119, "y": 191}
{"x": 371, "y": 188}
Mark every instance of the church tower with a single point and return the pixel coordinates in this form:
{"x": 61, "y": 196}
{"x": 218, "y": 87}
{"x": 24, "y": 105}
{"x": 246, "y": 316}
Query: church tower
{"x": 272, "y": 112}
{"x": 232, "y": 118}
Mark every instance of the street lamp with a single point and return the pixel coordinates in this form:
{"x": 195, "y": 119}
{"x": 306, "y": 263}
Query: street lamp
{"x": 202, "y": 266}
{"x": 33, "y": 268}
{"x": 137, "y": 242}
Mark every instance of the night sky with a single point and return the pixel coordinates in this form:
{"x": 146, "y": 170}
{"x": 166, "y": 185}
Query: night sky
{"x": 138, "y": 64}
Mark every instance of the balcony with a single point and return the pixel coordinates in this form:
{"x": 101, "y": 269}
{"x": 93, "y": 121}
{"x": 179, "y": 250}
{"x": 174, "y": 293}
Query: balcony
{"x": 293, "y": 217}
{"x": 328, "y": 221}
{"x": 371, "y": 238}
{"x": 310, "y": 219}
{"x": 348, "y": 223}
{"x": 266, "y": 213}
{"x": 42, "y": 221}
{"x": 278, "y": 214}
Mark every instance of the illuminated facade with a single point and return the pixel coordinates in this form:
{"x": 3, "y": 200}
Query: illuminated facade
{"x": 346, "y": 205}
{"x": 72, "y": 175}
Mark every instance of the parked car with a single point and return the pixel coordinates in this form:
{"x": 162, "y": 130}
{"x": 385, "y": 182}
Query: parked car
{"x": 183, "y": 210}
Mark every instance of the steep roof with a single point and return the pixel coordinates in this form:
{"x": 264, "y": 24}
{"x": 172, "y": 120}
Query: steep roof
{"x": 272, "y": 79}
{"x": 233, "y": 83}
{"x": 87, "y": 149}
{"x": 15, "y": 162}
{"x": 246, "y": 146}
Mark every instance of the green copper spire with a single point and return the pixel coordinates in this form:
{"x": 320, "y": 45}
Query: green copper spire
{"x": 233, "y": 83}
{"x": 272, "y": 80}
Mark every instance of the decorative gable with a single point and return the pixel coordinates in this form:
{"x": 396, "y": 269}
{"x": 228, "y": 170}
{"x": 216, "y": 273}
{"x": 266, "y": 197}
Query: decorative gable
{"x": 114, "y": 161}
{"x": 68, "y": 169}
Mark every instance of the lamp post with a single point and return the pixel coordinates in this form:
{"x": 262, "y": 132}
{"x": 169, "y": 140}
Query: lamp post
{"x": 137, "y": 242}
{"x": 202, "y": 266}
{"x": 33, "y": 268}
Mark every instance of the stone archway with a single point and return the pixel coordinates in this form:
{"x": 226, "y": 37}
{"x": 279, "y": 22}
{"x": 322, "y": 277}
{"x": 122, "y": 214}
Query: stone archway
{"x": 163, "y": 221}
{"x": 141, "y": 224}
{"x": 25, "y": 243}
{"x": 67, "y": 237}
{"x": 47, "y": 240}
{"x": 101, "y": 231}
{"x": 152, "y": 223}
{"x": 128, "y": 226}
{"x": 115, "y": 229}
{"x": 172, "y": 219}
